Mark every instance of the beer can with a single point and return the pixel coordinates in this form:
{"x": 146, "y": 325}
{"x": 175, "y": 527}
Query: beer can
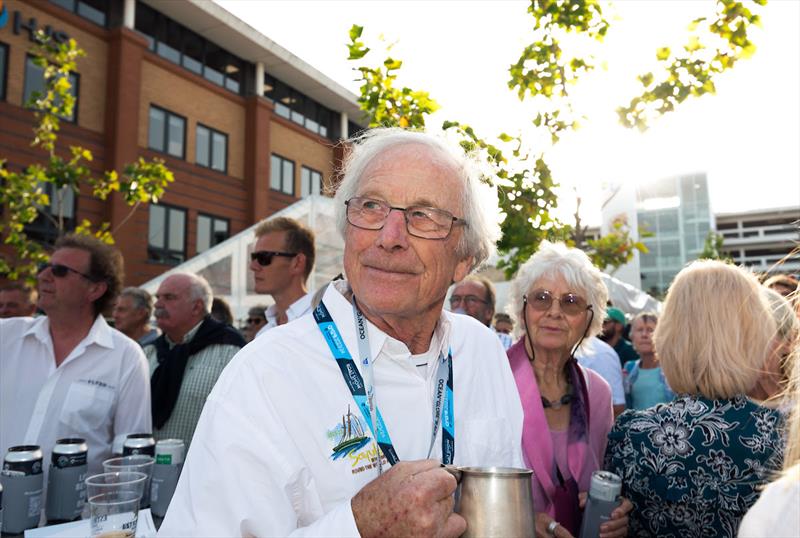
{"x": 139, "y": 443}
{"x": 166, "y": 472}
{"x": 66, "y": 489}
{"x": 22, "y": 482}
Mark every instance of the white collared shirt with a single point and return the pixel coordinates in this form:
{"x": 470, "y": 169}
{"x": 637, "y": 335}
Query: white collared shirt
{"x": 602, "y": 358}
{"x": 99, "y": 392}
{"x": 262, "y": 462}
{"x": 298, "y": 308}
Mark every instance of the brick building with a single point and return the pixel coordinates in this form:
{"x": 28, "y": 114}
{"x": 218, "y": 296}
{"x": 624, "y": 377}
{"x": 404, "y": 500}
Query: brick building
{"x": 246, "y": 127}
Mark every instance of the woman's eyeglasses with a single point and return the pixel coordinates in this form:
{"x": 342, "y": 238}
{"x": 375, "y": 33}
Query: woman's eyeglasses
{"x": 60, "y": 271}
{"x": 264, "y": 257}
{"x": 542, "y": 301}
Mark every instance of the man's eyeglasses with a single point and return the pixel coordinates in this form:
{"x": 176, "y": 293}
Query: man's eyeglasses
{"x": 264, "y": 257}
{"x": 421, "y": 221}
{"x": 542, "y": 300}
{"x": 60, "y": 271}
{"x": 469, "y": 300}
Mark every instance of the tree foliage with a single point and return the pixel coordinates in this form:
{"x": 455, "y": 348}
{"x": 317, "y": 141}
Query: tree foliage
{"x": 711, "y": 49}
{"x": 712, "y": 247}
{"x": 385, "y": 104}
{"x": 544, "y": 75}
{"x": 616, "y": 248}
{"x": 24, "y": 193}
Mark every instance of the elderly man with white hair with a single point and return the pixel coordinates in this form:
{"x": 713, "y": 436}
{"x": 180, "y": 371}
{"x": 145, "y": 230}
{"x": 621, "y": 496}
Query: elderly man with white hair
{"x": 336, "y": 424}
{"x": 188, "y": 357}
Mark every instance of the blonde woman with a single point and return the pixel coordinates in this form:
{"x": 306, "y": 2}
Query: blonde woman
{"x": 770, "y": 390}
{"x": 777, "y": 512}
{"x": 694, "y": 466}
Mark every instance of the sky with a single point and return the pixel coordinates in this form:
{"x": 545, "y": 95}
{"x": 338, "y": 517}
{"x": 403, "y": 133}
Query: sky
{"x": 746, "y": 137}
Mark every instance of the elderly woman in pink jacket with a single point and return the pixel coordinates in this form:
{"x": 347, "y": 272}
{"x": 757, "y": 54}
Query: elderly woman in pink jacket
{"x": 559, "y": 299}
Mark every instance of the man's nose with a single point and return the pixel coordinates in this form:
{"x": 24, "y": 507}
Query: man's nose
{"x": 394, "y": 232}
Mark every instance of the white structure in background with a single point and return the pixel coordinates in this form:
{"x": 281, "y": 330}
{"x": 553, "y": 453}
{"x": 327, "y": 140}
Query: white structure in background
{"x": 226, "y": 265}
{"x": 620, "y": 204}
{"x": 677, "y": 211}
{"x": 761, "y": 239}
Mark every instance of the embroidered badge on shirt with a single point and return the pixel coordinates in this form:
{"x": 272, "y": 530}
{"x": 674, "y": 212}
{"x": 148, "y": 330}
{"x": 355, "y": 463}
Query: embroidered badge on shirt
{"x": 351, "y": 442}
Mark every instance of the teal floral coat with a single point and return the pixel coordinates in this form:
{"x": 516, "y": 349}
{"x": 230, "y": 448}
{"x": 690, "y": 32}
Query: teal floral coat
{"x": 693, "y": 467}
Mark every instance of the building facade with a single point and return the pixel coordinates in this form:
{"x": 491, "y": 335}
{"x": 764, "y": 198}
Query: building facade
{"x": 762, "y": 239}
{"x": 246, "y": 127}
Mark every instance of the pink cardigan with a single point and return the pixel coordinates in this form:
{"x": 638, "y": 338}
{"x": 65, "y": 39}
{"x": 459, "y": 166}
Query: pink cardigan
{"x": 537, "y": 446}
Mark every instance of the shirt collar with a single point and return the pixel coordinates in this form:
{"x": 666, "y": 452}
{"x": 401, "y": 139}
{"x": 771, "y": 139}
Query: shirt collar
{"x": 187, "y": 337}
{"x": 295, "y": 310}
{"x": 337, "y": 298}
{"x": 99, "y": 333}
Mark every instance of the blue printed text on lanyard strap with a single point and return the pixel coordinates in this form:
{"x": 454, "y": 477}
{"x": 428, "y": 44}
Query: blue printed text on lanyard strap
{"x": 364, "y": 393}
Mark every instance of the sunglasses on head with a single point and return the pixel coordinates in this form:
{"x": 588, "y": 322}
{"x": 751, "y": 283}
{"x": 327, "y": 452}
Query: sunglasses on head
{"x": 264, "y": 257}
{"x": 60, "y": 271}
{"x": 542, "y": 300}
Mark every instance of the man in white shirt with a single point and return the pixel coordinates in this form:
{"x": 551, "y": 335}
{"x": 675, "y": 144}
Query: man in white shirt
{"x": 68, "y": 374}
{"x": 285, "y": 444}
{"x": 281, "y": 261}
{"x": 604, "y": 360}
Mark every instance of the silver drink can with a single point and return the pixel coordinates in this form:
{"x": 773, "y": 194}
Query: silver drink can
{"x": 139, "y": 443}
{"x": 603, "y": 499}
{"x": 66, "y": 489}
{"x": 166, "y": 471}
{"x": 22, "y": 481}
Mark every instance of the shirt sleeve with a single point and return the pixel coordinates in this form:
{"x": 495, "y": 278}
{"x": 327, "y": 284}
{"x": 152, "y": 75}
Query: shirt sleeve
{"x": 133, "y": 408}
{"x": 242, "y": 475}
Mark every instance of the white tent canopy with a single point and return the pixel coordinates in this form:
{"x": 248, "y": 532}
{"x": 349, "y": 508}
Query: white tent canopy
{"x": 226, "y": 266}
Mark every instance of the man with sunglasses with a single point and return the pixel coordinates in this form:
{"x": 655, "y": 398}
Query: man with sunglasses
{"x": 281, "y": 262}
{"x": 67, "y": 373}
{"x": 337, "y": 424}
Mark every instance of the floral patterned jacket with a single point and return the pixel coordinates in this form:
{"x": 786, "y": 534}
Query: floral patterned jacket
{"x": 693, "y": 467}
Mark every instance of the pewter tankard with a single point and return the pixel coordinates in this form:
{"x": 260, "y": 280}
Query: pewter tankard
{"x": 495, "y": 501}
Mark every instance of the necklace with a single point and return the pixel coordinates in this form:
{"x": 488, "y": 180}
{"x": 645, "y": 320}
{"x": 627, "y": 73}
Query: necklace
{"x": 557, "y": 404}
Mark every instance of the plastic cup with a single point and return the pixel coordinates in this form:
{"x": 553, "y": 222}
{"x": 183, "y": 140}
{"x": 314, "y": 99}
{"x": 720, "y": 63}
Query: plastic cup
{"x": 140, "y": 463}
{"x": 113, "y": 500}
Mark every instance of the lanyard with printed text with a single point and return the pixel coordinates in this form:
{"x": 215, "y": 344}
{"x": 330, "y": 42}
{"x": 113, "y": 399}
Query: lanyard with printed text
{"x": 364, "y": 393}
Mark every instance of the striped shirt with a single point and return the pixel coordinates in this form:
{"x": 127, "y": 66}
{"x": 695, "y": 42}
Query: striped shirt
{"x": 202, "y": 370}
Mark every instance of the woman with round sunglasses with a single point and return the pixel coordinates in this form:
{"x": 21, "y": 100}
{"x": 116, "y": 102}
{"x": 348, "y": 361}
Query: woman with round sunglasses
{"x": 559, "y": 299}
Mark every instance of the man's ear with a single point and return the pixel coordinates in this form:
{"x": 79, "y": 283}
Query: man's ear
{"x": 298, "y": 265}
{"x": 97, "y": 289}
{"x": 462, "y": 269}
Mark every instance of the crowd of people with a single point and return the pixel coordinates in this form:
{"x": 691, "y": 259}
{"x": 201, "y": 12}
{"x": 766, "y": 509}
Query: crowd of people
{"x": 331, "y": 411}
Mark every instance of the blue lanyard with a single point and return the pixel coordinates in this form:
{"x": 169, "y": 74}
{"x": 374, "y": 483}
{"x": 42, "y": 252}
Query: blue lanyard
{"x": 364, "y": 393}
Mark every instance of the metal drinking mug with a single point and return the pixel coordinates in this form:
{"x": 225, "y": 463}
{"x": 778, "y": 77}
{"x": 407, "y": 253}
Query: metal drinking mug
{"x": 495, "y": 501}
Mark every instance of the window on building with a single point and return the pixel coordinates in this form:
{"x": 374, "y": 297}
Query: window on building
{"x": 282, "y": 175}
{"x": 166, "y": 132}
{"x": 310, "y": 182}
{"x": 166, "y": 234}
{"x": 179, "y": 45}
{"x": 91, "y": 10}
{"x": 34, "y": 86}
{"x": 211, "y": 231}
{"x": 211, "y": 148}
{"x": 3, "y": 70}
{"x": 301, "y": 109}
{"x": 61, "y": 208}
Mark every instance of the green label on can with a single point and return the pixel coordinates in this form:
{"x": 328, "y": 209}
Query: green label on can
{"x": 164, "y": 459}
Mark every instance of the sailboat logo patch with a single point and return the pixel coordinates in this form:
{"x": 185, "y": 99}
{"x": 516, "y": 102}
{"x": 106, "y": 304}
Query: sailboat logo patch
{"x": 348, "y": 436}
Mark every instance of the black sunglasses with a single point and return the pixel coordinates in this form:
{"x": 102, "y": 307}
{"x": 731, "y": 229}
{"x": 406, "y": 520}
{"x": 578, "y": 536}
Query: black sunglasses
{"x": 264, "y": 257}
{"x": 60, "y": 271}
{"x": 255, "y": 321}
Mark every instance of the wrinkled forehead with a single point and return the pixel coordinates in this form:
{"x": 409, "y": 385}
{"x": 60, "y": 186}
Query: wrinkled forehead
{"x": 177, "y": 285}
{"x": 410, "y": 160}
